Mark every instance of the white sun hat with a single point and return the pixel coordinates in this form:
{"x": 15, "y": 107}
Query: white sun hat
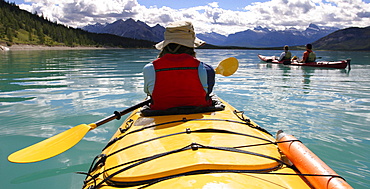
{"x": 180, "y": 32}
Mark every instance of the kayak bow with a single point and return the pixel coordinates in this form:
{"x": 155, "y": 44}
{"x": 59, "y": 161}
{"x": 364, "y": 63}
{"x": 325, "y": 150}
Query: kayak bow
{"x": 222, "y": 149}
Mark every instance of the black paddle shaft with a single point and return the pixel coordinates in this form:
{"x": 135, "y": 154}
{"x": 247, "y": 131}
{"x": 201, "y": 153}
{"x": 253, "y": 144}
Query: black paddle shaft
{"x": 123, "y": 112}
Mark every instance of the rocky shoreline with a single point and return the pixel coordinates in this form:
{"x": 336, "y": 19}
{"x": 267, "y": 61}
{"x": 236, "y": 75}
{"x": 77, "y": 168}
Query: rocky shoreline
{"x": 18, "y": 47}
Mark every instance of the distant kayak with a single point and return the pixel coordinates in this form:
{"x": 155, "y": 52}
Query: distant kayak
{"x": 326, "y": 64}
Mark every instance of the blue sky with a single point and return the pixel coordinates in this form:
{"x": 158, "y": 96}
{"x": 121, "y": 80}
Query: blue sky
{"x": 221, "y": 16}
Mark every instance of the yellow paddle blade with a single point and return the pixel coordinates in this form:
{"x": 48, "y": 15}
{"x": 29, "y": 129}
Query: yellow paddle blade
{"x": 52, "y": 146}
{"x": 227, "y": 67}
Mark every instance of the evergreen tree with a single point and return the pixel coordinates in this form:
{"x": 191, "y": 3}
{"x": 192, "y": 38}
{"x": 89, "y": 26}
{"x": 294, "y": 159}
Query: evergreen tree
{"x": 9, "y": 34}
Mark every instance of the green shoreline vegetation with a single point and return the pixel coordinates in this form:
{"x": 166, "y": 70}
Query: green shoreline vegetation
{"x": 21, "y": 27}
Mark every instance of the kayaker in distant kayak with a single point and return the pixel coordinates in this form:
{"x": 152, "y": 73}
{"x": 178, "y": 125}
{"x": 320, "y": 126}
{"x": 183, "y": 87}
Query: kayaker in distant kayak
{"x": 308, "y": 55}
{"x": 286, "y": 55}
{"x": 177, "y": 78}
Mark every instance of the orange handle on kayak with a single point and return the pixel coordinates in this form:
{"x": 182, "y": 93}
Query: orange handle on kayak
{"x": 308, "y": 163}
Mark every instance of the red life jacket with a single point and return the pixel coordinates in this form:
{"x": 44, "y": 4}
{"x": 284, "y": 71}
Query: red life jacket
{"x": 177, "y": 83}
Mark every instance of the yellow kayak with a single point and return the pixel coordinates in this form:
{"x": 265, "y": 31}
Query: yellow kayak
{"x": 219, "y": 149}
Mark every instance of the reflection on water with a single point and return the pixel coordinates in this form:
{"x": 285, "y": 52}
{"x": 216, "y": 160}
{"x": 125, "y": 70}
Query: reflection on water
{"x": 43, "y": 93}
{"x": 50, "y": 85}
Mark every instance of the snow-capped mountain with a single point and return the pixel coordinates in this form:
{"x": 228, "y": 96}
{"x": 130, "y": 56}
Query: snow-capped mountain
{"x": 257, "y": 37}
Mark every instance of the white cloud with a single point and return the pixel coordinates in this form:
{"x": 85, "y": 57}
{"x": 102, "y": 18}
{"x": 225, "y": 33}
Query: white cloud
{"x": 276, "y": 14}
{"x": 214, "y": 4}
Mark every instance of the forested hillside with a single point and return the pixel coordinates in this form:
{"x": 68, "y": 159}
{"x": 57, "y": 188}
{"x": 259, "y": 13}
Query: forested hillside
{"x": 354, "y": 38}
{"x": 21, "y": 27}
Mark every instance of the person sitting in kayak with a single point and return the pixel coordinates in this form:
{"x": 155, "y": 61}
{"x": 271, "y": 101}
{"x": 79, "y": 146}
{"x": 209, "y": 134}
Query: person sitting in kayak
{"x": 286, "y": 55}
{"x": 176, "y": 78}
{"x": 308, "y": 55}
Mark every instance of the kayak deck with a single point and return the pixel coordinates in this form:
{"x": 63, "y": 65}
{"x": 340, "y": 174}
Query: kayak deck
{"x": 213, "y": 149}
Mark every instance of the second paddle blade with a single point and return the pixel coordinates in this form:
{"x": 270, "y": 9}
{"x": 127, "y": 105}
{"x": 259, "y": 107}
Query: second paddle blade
{"x": 228, "y": 66}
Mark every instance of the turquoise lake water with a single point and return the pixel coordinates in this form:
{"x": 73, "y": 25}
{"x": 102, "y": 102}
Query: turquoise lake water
{"x": 43, "y": 93}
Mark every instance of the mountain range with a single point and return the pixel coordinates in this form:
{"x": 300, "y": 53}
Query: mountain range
{"x": 21, "y": 27}
{"x": 130, "y": 29}
{"x": 258, "y": 37}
